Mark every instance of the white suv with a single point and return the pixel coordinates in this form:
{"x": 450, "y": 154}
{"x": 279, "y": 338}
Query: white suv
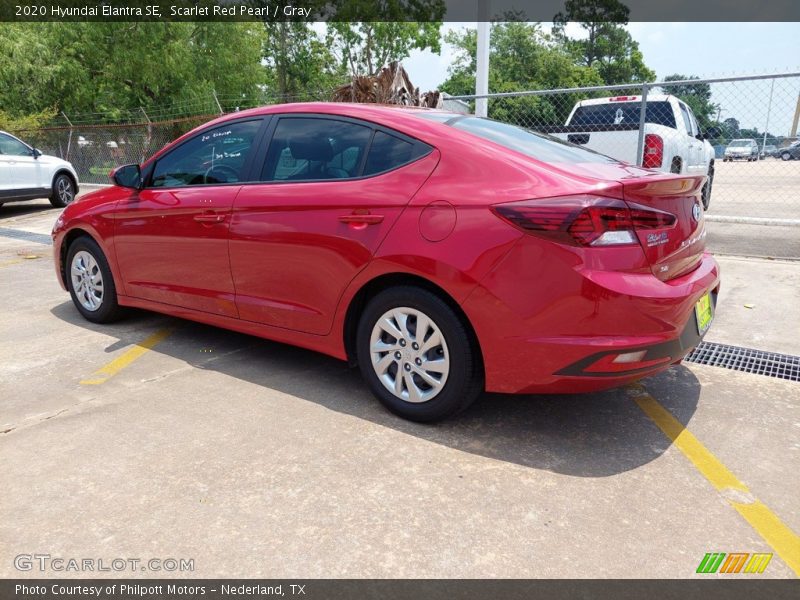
{"x": 26, "y": 173}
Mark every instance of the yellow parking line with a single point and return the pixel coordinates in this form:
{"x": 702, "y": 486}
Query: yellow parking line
{"x": 115, "y": 366}
{"x": 783, "y": 540}
{"x": 8, "y": 263}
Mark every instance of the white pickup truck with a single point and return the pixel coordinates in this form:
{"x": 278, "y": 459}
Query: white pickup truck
{"x": 673, "y": 142}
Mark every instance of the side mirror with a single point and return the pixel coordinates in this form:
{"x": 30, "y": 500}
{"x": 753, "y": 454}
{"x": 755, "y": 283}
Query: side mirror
{"x": 127, "y": 176}
{"x": 36, "y": 153}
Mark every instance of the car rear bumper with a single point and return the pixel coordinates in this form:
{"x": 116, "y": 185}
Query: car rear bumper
{"x": 562, "y": 342}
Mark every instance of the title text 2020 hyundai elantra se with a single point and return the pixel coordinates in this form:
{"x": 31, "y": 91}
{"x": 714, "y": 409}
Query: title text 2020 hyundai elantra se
{"x": 444, "y": 254}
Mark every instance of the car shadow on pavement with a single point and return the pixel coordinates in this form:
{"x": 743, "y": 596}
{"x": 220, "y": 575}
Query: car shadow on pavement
{"x": 585, "y": 435}
{"x": 19, "y": 209}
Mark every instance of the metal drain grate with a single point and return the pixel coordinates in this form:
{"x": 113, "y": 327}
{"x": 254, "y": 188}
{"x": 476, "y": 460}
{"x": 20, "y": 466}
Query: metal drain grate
{"x": 748, "y": 360}
{"x": 28, "y": 236}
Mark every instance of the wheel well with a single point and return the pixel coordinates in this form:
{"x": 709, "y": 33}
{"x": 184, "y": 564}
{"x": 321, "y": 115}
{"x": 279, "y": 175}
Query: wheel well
{"x": 71, "y": 236}
{"x": 676, "y": 165}
{"x": 374, "y": 286}
{"x": 68, "y": 174}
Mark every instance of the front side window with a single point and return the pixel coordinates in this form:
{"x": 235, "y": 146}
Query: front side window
{"x": 314, "y": 149}
{"x": 12, "y": 146}
{"x": 215, "y": 156}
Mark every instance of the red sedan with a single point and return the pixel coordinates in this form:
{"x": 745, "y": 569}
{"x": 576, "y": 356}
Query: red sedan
{"x": 444, "y": 254}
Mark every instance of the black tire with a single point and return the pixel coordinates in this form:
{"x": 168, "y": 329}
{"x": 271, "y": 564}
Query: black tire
{"x": 63, "y": 191}
{"x": 464, "y": 380}
{"x": 108, "y": 310}
{"x": 705, "y": 194}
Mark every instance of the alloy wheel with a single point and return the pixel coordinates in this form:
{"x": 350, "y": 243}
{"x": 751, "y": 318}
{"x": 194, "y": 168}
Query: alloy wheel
{"x": 64, "y": 190}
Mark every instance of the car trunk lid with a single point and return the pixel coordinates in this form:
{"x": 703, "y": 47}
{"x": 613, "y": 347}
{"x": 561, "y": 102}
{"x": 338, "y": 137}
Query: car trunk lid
{"x": 675, "y": 250}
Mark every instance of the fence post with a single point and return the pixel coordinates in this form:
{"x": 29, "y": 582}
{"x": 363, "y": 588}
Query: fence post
{"x": 148, "y": 138}
{"x": 69, "y": 139}
{"x": 219, "y": 106}
{"x": 642, "y": 114}
{"x": 769, "y": 110}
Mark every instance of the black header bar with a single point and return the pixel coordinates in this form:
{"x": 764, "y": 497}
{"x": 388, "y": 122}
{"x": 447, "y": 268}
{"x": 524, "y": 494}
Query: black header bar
{"x": 381, "y": 10}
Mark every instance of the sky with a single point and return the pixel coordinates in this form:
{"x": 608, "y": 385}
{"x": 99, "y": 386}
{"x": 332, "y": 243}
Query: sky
{"x": 702, "y": 49}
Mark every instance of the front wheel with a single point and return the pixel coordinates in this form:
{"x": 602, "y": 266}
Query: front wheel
{"x": 417, "y": 355}
{"x": 63, "y": 191}
{"x": 90, "y": 282}
{"x": 786, "y": 156}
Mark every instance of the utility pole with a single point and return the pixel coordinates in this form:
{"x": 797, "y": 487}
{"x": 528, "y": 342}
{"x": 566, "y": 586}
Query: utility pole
{"x": 793, "y": 133}
{"x": 482, "y": 74}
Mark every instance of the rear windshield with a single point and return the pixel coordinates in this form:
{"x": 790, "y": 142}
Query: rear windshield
{"x": 437, "y": 115}
{"x": 536, "y": 145}
{"x": 624, "y": 113}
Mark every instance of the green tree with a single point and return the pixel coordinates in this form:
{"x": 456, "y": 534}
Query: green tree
{"x": 365, "y": 35}
{"x": 366, "y": 47}
{"x": 299, "y": 65}
{"x": 521, "y": 57}
{"x": 696, "y": 95}
{"x": 114, "y": 68}
{"x": 608, "y": 46}
{"x": 29, "y": 121}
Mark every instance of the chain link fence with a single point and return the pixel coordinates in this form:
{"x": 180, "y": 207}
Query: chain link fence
{"x": 95, "y": 143}
{"x": 742, "y": 132}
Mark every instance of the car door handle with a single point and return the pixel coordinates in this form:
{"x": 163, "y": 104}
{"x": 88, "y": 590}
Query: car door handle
{"x": 209, "y": 217}
{"x": 361, "y": 219}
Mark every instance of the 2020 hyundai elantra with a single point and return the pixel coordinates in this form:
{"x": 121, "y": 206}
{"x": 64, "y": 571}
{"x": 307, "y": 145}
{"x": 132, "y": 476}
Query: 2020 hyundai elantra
{"x": 443, "y": 254}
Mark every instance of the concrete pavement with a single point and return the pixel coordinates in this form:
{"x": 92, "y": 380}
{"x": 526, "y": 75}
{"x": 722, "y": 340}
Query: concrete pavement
{"x": 257, "y": 459}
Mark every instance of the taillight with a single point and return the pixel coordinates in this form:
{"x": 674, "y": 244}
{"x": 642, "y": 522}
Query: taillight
{"x": 584, "y": 220}
{"x": 653, "y": 151}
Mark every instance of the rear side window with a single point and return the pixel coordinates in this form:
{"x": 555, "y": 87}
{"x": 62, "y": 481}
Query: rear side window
{"x": 686, "y": 120}
{"x": 215, "y": 156}
{"x": 624, "y": 113}
{"x": 389, "y": 152}
{"x": 311, "y": 149}
{"x": 536, "y": 145}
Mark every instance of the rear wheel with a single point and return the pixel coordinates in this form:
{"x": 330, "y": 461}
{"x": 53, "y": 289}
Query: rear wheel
{"x": 90, "y": 282}
{"x": 705, "y": 195}
{"x": 417, "y": 356}
{"x": 63, "y": 190}
{"x": 786, "y": 156}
